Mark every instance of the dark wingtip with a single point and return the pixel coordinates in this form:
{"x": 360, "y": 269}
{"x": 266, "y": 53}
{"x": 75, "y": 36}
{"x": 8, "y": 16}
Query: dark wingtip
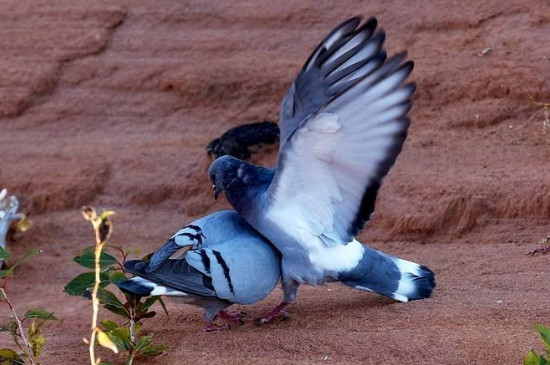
{"x": 132, "y": 287}
{"x": 353, "y": 21}
{"x": 135, "y": 267}
{"x": 348, "y": 26}
{"x": 397, "y": 59}
{"x": 409, "y": 65}
{"x": 383, "y": 56}
{"x": 371, "y": 23}
{"x": 380, "y": 36}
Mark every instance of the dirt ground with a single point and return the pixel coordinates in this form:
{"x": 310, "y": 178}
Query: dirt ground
{"x": 111, "y": 103}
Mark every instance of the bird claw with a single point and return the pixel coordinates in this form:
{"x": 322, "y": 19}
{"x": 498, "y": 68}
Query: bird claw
{"x": 234, "y": 318}
{"x": 279, "y": 311}
{"x": 260, "y": 321}
{"x": 211, "y": 327}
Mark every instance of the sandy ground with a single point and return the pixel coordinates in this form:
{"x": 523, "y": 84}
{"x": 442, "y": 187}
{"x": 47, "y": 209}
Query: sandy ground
{"x": 112, "y": 105}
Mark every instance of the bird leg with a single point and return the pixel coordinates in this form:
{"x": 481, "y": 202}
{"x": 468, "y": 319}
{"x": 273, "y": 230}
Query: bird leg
{"x": 211, "y": 327}
{"x": 278, "y": 311}
{"x": 234, "y": 318}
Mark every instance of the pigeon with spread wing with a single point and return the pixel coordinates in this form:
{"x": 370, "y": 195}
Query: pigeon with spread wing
{"x": 342, "y": 125}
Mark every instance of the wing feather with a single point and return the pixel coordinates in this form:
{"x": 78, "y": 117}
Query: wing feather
{"x": 331, "y": 166}
{"x": 345, "y": 56}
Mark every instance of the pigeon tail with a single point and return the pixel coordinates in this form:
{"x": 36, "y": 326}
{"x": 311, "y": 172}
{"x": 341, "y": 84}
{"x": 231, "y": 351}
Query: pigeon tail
{"x": 144, "y": 288}
{"x": 393, "y": 277}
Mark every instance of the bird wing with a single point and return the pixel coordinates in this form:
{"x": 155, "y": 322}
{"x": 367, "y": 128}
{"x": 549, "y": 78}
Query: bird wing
{"x": 207, "y": 231}
{"x": 243, "y": 270}
{"x": 175, "y": 274}
{"x": 331, "y": 167}
{"x": 345, "y": 55}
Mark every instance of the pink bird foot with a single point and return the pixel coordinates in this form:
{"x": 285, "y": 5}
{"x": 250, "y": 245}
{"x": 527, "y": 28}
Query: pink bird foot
{"x": 278, "y": 311}
{"x": 211, "y": 327}
{"x": 234, "y": 318}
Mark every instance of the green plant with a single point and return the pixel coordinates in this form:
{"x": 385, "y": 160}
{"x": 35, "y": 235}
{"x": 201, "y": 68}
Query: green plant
{"x": 30, "y": 343}
{"x": 124, "y": 337}
{"x": 532, "y": 358}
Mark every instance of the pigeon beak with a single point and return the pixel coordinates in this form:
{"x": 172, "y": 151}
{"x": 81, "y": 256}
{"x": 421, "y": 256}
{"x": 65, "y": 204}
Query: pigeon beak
{"x": 216, "y": 192}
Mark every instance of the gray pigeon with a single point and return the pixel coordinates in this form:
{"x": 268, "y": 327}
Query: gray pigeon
{"x": 343, "y": 122}
{"x": 226, "y": 262}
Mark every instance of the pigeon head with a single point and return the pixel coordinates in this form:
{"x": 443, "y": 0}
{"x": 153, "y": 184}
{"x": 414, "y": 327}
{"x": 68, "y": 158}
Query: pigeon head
{"x": 224, "y": 173}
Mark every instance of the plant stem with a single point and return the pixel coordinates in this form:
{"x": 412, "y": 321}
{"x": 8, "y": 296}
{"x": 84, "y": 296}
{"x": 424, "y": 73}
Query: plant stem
{"x": 130, "y": 359}
{"x": 132, "y": 330}
{"x": 95, "y": 299}
{"x": 20, "y": 325}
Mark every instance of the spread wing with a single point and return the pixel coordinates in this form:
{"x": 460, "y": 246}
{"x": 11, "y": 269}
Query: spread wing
{"x": 331, "y": 167}
{"x": 349, "y": 52}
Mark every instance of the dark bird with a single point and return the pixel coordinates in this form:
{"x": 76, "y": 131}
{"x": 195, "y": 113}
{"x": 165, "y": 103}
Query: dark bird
{"x": 238, "y": 141}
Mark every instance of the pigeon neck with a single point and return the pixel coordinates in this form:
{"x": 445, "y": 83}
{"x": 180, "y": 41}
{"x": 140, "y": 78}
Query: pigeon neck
{"x": 248, "y": 188}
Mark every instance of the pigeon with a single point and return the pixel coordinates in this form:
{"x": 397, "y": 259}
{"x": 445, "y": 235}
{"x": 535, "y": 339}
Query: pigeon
{"x": 343, "y": 122}
{"x": 226, "y": 262}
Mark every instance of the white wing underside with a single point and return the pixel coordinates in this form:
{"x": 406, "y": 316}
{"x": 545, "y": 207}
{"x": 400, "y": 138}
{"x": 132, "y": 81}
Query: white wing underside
{"x": 336, "y": 154}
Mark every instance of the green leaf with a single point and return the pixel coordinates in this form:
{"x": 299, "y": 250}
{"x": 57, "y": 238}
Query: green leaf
{"x": 544, "y": 333}
{"x": 10, "y": 357}
{"x": 24, "y": 258}
{"x": 121, "y": 337}
{"x": 40, "y": 314}
{"x": 82, "y": 282}
{"x": 14, "y": 332}
{"x": 4, "y": 255}
{"x": 118, "y": 311}
{"x": 14, "y": 329}
{"x": 117, "y": 277}
{"x": 148, "y": 303}
{"x": 109, "y": 298}
{"x": 142, "y": 343}
{"x": 137, "y": 328}
{"x": 6, "y": 273}
{"x": 105, "y": 341}
{"x": 163, "y": 305}
{"x": 152, "y": 350}
{"x": 30, "y": 253}
{"x": 533, "y": 359}
{"x": 108, "y": 325}
{"x": 87, "y": 259}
